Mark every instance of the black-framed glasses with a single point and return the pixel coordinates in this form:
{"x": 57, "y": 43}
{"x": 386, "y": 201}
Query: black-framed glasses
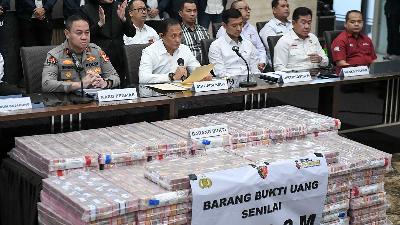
{"x": 246, "y": 9}
{"x": 140, "y": 9}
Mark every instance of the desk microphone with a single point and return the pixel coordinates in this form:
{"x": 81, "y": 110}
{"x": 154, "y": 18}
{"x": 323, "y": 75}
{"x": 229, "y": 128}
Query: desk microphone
{"x": 247, "y": 83}
{"x": 181, "y": 62}
{"x": 78, "y": 67}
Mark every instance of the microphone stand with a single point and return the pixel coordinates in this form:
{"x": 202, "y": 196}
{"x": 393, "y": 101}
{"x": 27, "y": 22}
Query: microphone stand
{"x": 246, "y": 83}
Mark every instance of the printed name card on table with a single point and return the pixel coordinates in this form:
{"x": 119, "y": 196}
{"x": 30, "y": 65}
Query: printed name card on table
{"x": 211, "y": 131}
{"x": 295, "y": 77}
{"x": 11, "y": 104}
{"x": 117, "y": 94}
{"x": 213, "y": 85}
{"x": 354, "y": 71}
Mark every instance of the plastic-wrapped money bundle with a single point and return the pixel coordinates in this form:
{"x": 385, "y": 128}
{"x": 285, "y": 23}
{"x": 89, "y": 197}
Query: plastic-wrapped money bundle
{"x": 51, "y": 154}
{"x": 86, "y": 198}
{"x": 47, "y": 216}
{"x": 173, "y": 174}
{"x": 182, "y": 128}
{"x": 158, "y": 143}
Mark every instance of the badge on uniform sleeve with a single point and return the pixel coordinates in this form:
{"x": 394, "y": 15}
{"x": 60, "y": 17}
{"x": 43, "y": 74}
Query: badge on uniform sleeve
{"x": 91, "y": 58}
{"x": 51, "y": 60}
{"x": 336, "y": 49}
{"x": 104, "y": 56}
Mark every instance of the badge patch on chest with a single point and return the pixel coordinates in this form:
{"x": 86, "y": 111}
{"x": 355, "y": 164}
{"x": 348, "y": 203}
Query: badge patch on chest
{"x": 90, "y": 58}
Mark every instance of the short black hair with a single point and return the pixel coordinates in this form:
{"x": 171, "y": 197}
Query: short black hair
{"x": 352, "y": 11}
{"x": 301, "y": 11}
{"x": 275, "y": 3}
{"x": 130, "y": 3}
{"x": 165, "y": 24}
{"x": 230, "y": 14}
{"x": 70, "y": 20}
{"x": 187, "y": 1}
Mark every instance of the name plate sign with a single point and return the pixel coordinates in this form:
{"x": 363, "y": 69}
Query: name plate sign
{"x": 296, "y": 77}
{"x": 213, "y": 85}
{"x": 117, "y": 94}
{"x": 11, "y": 104}
{"x": 211, "y": 131}
{"x": 354, "y": 71}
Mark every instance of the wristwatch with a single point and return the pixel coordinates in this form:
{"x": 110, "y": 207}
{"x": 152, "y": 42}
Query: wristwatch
{"x": 171, "y": 76}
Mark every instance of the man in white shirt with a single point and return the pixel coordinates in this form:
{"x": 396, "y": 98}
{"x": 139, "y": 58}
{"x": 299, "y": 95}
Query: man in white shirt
{"x": 299, "y": 49}
{"x": 249, "y": 32}
{"x": 221, "y": 54}
{"x": 160, "y": 61}
{"x": 144, "y": 34}
{"x": 278, "y": 25}
{"x": 6, "y": 89}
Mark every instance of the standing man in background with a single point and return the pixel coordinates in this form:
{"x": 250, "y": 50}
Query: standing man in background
{"x": 210, "y": 11}
{"x": 392, "y": 13}
{"x": 108, "y": 24}
{"x": 35, "y": 22}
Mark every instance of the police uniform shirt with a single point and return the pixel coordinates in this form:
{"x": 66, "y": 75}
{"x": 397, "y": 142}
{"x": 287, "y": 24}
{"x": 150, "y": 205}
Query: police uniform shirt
{"x": 274, "y": 27}
{"x": 355, "y": 51}
{"x": 142, "y": 36}
{"x": 227, "y": 62}
{"x": 156, "y": 63}
{"x": 250, "y": 33}
{"x": 291, "y": 52}
{"x": 59, "y": 70}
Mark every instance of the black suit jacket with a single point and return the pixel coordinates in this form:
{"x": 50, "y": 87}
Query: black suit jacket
{"x": 110, "y": 36}
{"x": 24, "y": 8}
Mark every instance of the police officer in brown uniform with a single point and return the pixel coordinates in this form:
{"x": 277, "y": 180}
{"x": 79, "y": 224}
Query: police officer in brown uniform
{"x": 77, "y": 63}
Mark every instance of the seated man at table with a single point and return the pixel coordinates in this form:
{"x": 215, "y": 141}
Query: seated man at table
{"x": 299, "y": 49}
{"x": 227, "y": 62}
{"x": 167, "y": 59}
{"x": 351, "y": 47}
{"x": 77, "y": 61}
{"x": 5, "y": 88}
{"x": 144, "y": 34}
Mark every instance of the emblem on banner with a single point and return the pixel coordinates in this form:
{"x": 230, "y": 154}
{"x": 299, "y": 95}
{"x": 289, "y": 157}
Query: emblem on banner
{"x": 262, "y": 170}
{"x": 205, "y": 182}
{"x": 305, "y": 163}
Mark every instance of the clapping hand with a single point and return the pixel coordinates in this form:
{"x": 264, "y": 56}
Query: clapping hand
{"x": 102, "y": 17}
{"x": 39, "y": 13}
{"x": 121, "y": 10}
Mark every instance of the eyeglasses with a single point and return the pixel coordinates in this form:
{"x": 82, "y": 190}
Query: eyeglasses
{"x": 140, "y": 9}
{"x": 246, "y": 9}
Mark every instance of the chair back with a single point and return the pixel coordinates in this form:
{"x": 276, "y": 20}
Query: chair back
{"x": 205, "y": 47}
{"x": 215, "y": 28}
{"x": 329, "y": 36}
{"x": 260, "y": 25}
{"x": 272, "y": 40}
{"x": 132, "y": 56}
{"x": 33, "y": 59}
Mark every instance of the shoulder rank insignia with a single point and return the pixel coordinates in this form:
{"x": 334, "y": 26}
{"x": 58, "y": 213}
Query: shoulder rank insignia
{"x": 51, "y": 60}
{"x": 104, "y": 56}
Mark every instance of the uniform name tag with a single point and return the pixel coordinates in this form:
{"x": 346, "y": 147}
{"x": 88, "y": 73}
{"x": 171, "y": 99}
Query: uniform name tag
{"x": 354, "y": 71}
{"x": 11, "y": 104}
{"x": 210, "y": 131}
{"x": 117, "y": 94}
{"x": 296, "y": 77}
{"x": 213, "y": 85}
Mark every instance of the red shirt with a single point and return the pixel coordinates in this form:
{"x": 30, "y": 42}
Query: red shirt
{"x": 355, "y": 51}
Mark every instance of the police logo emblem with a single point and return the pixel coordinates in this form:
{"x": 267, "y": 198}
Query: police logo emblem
{"x": 205, "y": 182}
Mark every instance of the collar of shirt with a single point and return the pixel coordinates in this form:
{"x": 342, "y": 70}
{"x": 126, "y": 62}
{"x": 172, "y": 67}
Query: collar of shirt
{"x": 360, "y": 36}
{"x": 140, "y": 29}
{"x": 161, "y": 48}
{"x": 296, "y": 37}
{"x": 187, "y": 28}
{"x": 280, "y": 23}
{"x": 232, "y": 42}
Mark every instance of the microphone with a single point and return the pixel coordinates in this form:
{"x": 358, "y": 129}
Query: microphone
{"x": 78, "y": 67}
{"x": 247, "y": 83}
{"x": 181, "y": 62}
